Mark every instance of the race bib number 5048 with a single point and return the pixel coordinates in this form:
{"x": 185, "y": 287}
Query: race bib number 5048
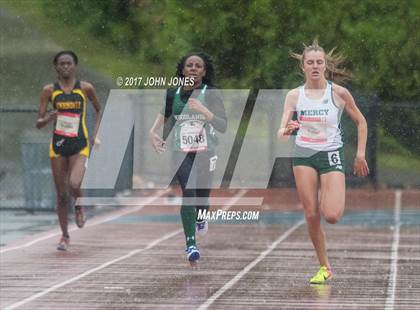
{"x": 193, "y": 137}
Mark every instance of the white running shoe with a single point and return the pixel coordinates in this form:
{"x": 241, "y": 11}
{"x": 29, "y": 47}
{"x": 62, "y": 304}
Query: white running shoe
{"x": 201, "y": 227}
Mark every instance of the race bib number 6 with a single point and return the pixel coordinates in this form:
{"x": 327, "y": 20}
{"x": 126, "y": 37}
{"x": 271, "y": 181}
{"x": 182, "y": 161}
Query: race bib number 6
{"x": 67, "y": 124}
{"x": 334, "y": 158}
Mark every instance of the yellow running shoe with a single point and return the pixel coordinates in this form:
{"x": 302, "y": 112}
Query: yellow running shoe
{"x": 322, "y": 276}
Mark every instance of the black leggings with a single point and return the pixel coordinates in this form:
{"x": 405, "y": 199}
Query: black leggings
{"x": 195, "y": 177}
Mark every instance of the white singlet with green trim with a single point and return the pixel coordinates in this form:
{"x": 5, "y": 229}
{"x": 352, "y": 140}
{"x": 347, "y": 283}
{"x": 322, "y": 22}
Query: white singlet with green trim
{"x": 319, "y": 121}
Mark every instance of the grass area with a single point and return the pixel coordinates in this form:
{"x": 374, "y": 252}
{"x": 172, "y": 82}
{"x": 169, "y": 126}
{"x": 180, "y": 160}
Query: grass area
{"x": 398, "y": 162}
{"x": 392, "y": 155}
{"x": 103, "y": 57}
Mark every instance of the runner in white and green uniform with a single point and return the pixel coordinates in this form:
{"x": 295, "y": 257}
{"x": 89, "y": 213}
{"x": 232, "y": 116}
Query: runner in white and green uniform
{"x": 318, "y": 159}
{"x": 193, "y": 114}
{"x": 319, "y": 142}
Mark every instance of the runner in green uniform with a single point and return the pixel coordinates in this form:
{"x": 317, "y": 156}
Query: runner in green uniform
{"x": 319, "y": 147}
{"x": 193, "y": 113}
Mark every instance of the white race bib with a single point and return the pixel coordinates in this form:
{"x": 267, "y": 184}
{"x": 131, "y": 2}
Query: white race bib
{"x": 213, "y": 163}
{"x": 334, "y": 158}
{"x": 193, "y": 136}
{"x": 313, "y": 131}
{"x": 67, "y": 124}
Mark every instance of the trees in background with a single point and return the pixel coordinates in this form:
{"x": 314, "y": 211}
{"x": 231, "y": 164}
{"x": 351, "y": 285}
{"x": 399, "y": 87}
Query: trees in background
{"x": 250, "y": 41}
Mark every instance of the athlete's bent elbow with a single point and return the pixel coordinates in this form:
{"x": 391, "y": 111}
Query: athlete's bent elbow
{"x": 361, "y": 121}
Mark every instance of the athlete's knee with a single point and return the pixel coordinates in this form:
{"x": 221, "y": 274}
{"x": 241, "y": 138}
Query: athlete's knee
{"x": 312, "y": 214}
{"x": 74, "y": 186}
{"x": 333, "y": 217}
{"x": 332, "y": 211}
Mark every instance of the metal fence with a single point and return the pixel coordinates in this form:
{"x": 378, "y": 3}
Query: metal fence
{"x": 25, "y": 172}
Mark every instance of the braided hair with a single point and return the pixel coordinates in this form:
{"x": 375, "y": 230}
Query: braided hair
{"x": 70, "y": 53}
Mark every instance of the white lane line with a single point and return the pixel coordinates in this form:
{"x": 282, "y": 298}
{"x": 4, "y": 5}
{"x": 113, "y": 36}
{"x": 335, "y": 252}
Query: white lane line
{"x": 82, "y": 275}
{"x": 251, "y": 265}
{"x": 113, "y": 216}
{"x": 104, "y": 265}
{"x": 389, "y": 305}
{"x": 94, "y": 222}
{"x": 235, "y": 199}
{"x": 164, "y": 201}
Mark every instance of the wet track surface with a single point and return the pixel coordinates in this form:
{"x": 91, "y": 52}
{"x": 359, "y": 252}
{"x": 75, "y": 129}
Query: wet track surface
{"x": 137, "y": 261}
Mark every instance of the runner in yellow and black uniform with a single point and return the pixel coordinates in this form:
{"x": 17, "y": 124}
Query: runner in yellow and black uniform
{"x": 70, "y": 133}
{"x": 69, "y": 148}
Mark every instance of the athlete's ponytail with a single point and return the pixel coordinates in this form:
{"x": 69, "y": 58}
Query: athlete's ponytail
{"x": 333, "y": 61}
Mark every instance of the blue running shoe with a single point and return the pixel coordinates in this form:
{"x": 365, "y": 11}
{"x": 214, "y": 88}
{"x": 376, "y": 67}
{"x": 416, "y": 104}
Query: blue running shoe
{"x": 193, "y": 254}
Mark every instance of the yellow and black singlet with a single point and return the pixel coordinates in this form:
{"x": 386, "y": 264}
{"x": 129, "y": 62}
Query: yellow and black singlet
{"x": 70, "y": 132}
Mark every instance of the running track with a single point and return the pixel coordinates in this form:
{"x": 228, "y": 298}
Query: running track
{"x": 133, "y": 258}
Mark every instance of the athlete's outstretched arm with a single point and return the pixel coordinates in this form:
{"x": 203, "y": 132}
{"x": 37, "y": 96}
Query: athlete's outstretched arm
{"x": 287, "y": 125}
{"x": 360, "y": 167}
{"x": 91, "y": 94}
{"x": 43, "y": 117}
